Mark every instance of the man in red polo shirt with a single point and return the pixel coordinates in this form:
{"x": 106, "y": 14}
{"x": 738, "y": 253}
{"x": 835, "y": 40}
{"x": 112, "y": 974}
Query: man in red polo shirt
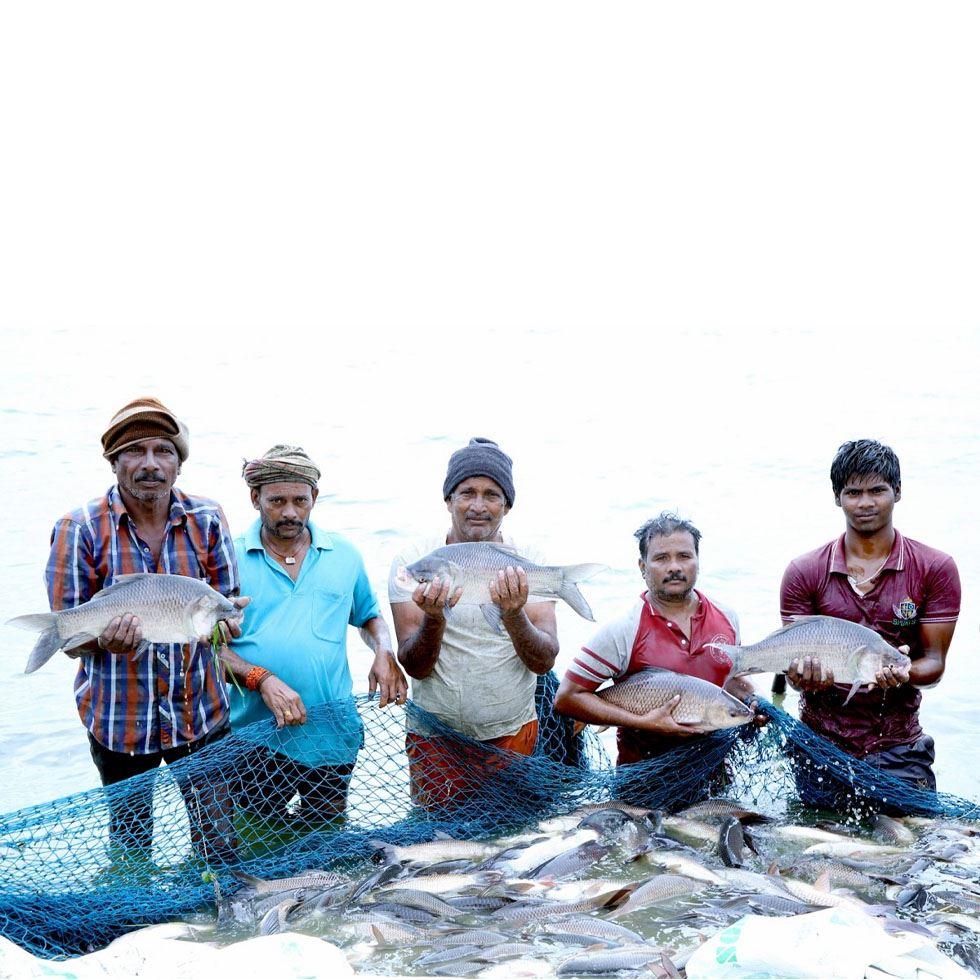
{"x": 669, "y": 627}
{"x": 905, "y": 591}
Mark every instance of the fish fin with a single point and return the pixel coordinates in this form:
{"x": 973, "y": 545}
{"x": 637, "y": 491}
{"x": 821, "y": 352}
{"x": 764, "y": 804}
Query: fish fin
{"x": 79, "y": 639}
{"x": 35, "y": 622}
{"x": 855, "y": 687}
{"x": 823, "y": 881}
{"x": 773, "y": 870}
{"x": 491, "y": 613}
{"x": 504, "y": 549}
{"x": 121, "y": 580}
{"x": 668, "y": 965}
{"x": 569, "y": 591}
{"x": 378, "y": 936}
{"x": 48, "y": 644}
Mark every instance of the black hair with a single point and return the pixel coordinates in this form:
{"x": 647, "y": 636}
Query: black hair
{"x": 661, "y": 526}
{"x": 864, "y": 457}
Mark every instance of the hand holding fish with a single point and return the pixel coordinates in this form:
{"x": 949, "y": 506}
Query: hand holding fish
{"x": 893, "y": 676}
{"x": 284, "y": 703}
{"x": 509, "y": 590}
{"x": 809, "y": 674}
{"x": 434, "y": 597}
{"x": 121, "y": 635}
{"x": 231, "y": 629}
{"x": 661, "y": 720}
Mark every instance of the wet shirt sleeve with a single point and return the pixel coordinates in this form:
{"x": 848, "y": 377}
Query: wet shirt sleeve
{"x": 222, "y": 568}
{"x": 71, "y": 576}
{"x": 795, "y": 594}
{"x": 365, "y": 604}
{"x": 605, "y": 656}
{"x": 942, "y": 593}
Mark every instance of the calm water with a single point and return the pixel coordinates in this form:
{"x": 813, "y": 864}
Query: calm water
{"x": 737, "y": 432}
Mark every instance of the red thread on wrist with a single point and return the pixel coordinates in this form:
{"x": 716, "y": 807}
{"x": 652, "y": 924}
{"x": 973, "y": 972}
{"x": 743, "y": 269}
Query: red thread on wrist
{"x": 255, "y": 677}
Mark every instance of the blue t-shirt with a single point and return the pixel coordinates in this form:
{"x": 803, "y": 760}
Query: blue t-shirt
{"x": 298, "y": 630}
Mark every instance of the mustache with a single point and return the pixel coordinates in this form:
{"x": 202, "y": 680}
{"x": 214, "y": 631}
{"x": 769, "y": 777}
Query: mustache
{"x": 289, "y": 524}
{"x": 146, "y": 476}
{"x": 675, "y": 577}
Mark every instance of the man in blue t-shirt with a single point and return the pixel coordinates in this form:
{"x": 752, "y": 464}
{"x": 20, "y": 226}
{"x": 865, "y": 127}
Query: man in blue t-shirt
{"x": 306, "y": 586}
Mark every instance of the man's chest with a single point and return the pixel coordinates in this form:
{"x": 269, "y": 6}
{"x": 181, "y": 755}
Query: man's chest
{"x": 893, "y": 605}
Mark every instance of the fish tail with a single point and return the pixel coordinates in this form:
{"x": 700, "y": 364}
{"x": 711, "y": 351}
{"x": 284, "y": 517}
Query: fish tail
{"x": 35, "y": 622}
{"x": 569, "y": 590}
{"x": 48, "y": 644}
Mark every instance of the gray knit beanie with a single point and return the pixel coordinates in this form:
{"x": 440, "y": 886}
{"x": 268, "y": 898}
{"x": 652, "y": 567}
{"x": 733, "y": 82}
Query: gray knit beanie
{"x": 482, "y": 457}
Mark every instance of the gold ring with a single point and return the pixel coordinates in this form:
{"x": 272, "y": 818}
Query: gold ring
{"x": 288, "y": 714}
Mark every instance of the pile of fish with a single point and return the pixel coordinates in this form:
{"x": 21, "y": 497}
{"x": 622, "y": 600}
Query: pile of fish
{"x": 612, "y": 889}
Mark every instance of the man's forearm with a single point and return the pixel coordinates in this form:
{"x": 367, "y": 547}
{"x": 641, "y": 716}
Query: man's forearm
{"x": 375, "y": 635}
{"x": 419, "y": 653}
{"x": 587, "y": 707}
{"x": 536, "y": 648}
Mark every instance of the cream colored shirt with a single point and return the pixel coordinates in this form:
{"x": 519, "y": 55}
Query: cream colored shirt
{"x": 479, "y": 685}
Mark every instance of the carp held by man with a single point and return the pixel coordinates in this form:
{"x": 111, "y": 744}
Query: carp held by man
{"x": 171, "y": 609}
{"x": 471, "y": 566}
{"x": 852, "y": 652}
{"x": 702, "y": 703}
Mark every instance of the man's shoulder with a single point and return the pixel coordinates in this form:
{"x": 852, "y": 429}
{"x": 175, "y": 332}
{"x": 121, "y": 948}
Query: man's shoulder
{"x": 817, "y": 560}
{"x": 925, "y": 555}
{"x": 195, "y": 504}
{"x": 414, "y": 548}
{"x": 625, "y": 622}
{"x": 721, "y": 607}
{"x": 88, "y": 512}
{"x": 338, "y": 544}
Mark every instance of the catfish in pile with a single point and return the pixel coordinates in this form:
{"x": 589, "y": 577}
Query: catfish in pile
{"x": 171, "y": 609}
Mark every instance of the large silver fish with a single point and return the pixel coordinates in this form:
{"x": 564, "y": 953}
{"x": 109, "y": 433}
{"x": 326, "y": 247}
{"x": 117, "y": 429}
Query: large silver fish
{"x": 171, "y": 609}
{"x": 852, "y": 652}
{"x": 472, "y": 566}
{"x": 702, "y": 703}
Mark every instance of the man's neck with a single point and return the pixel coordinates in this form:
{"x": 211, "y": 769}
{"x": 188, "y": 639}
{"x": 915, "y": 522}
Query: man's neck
{"x": 453, "y": 538}
{"x": 876, "y": 545}
{"x": 149, "y": 513}
{"x": 675, "y": 606}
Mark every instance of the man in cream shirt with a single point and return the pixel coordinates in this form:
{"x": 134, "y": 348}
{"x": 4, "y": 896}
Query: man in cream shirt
{"x": 473, "y": 679}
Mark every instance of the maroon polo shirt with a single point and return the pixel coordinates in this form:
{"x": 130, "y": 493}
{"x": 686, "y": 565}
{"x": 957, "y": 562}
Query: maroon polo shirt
{"x": 917, "y": 585}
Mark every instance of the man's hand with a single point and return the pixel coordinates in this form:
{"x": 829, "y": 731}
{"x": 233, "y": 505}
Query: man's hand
{"x": 386, "y": 677}
{"x": 434, "y": 598}
{"x": 231, "y": 630}
{"x": 809, "y": 674}
{"x": 284, "y": 703}
{"x": 122, "y": 635}
{"x": 509, "y": 590}
{"x": 661, "y": 721}
{"x": 893, "y": 676}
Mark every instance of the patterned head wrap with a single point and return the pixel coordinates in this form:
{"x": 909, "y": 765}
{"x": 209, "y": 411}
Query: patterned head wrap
{"x": 144, "y": 418}
{"x": 281, "y": 464}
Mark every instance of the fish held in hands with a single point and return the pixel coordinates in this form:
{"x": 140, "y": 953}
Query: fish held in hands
{"x": 171, "y": 609}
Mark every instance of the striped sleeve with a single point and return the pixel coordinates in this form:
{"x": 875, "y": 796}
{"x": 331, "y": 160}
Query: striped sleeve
{"x": 607, "y": 654}
{"x": 70, "y": 576}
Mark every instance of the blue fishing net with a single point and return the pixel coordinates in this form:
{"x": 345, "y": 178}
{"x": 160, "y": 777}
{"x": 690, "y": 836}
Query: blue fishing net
{"x": 72, "y": 877}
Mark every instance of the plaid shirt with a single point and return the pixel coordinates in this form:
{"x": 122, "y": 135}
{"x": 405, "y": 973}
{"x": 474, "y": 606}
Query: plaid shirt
{"x": 170, "y": 694}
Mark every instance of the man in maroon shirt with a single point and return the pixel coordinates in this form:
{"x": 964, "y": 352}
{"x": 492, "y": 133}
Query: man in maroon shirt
{"x": 905, "y": 591}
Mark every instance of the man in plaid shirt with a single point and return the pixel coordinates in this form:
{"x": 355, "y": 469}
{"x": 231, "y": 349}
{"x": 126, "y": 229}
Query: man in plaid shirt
{"x": 167, "y": 701}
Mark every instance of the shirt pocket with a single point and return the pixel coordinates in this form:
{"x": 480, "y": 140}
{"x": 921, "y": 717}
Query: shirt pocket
{"x": 331, "y": 612}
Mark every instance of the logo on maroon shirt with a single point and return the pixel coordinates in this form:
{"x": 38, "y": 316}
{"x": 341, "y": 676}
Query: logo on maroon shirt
{"x": 905, "y": 613}
{"x": 719, "y": 656}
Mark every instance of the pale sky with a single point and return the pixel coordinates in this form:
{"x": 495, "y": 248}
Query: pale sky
{"x": 440, "y": 167}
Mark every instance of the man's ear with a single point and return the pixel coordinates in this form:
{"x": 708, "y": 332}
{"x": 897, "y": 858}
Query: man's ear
{"x": 255, "y": 497}
{"x": 898, "y": 493}
{"x": 837, "y": 499}
{"x": 315, "y": 493}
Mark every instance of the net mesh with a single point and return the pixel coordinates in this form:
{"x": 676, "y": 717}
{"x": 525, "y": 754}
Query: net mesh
{"x": 76, "y": 873}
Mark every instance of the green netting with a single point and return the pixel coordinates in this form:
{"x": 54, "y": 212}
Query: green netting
{"x": 71, "y": 878}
